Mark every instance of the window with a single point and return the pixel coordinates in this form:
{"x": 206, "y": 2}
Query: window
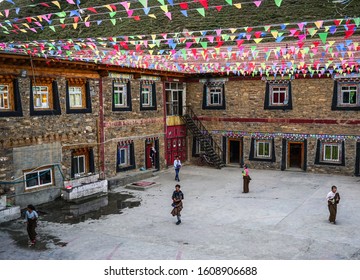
{"x": 198, "y": 147}
{"x": 41, "y": 97}
{"x": 214, "y": 95}
{"x": 346, "y": 95}
{"x": 82, "y": 162}
{"x": 173, "y": 93}
{"x": 125, "y": 157}
{"x": 262, "y": 150}
{"x": 4, "y": 97}
{"x": 330, "y": 153}
{"x": 10, "y": 103}
{"x": 79, "y": 165}
{"x": 147, "y": 96}
{"x": 278, "y": 95}
{"x": 120, "y": 99}
{"x": 44, "y": 99}
{"x": 75, "y": 96}
{"x": 121, "y": 95}
{"x": 39, "y": 178}
{"x": 78, "y": 100}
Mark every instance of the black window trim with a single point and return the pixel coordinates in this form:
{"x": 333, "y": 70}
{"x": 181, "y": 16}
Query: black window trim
{"x": 268, "y": 106}
{"x": 335, "y": 106}
{"x": 319, "y": 160}
{"x": 153, "y": 95}
{"x": 56, "y": 104}
{"x": 128, "y": 107}
{"x": 205, "y": 106}
{"x": 252, "y": 151}
{"x": 17, "y": 112}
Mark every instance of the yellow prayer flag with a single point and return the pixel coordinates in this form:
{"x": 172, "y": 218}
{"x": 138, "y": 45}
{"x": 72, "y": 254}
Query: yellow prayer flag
{"x": 56, "y": 3}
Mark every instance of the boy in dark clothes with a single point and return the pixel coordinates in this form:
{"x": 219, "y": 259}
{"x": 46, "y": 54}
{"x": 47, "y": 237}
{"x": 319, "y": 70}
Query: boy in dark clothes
{"x": 177, "y": 198}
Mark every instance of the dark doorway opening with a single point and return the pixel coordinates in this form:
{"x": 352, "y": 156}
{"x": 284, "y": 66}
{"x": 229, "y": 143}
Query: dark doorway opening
{"x": 234, "y": 153}
{"x": 295, "y": 155}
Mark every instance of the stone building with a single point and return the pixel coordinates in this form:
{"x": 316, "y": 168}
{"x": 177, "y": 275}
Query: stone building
{"x": 63, "y": 120}
{"x": 285, "y": 123}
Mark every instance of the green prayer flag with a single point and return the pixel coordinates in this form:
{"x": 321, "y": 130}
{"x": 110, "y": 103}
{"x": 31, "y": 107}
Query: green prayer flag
{"x": 323, "y": 37}
{"x": 201, "y": 11}
{"x": 278, "y": 2}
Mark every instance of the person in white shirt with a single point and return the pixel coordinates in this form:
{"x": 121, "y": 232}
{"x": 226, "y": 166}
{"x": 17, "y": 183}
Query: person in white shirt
{"x": 177, "y": 166}
{"x": 333, "y": 199}
{"x": 31, "y": 217}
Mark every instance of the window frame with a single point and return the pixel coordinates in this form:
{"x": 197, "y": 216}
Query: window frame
{"x": 15, "y": 109}
{"x": 52, "y": 178}
{"x": 82, "y": 96}
{"x": 209, "y": 95}
{"x": 53, "y": 96}
{"x": 337, "y": 102}
{"x": 321, "y": 153}
{"x": 257, "y": 149}
{"x": 85, "y": 96}
{"x": 47, "y": 92}
{"x": 152, "y": 104}
{"x": 253, "y": 155}
{"x": 129, "y": 156}
{"x": 270, "y": 90}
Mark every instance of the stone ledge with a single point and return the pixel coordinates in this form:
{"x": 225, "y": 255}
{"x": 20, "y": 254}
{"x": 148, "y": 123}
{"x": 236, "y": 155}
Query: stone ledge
{"x": 85, "y": 190}
{"x": 129, "y": 177}
{"x": 10, "y": 213}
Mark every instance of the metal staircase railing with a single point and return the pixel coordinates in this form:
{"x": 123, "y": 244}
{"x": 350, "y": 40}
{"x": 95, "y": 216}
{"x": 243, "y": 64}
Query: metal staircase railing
{"x": 195, "y": 126}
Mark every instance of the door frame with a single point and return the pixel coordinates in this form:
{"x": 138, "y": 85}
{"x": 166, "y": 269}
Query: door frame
{"x": 302, "y": 143}
{"x": 241, "y": 149}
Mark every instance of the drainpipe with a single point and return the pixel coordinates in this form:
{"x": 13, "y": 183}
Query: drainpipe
{"x": 165, "y": 126}
{"x": 101, "y": 130}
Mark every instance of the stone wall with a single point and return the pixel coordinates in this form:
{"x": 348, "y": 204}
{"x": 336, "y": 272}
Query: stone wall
{"x": 134, "y": 125}
{"x": 65, "y": 131}
{"x": 311, "y": 114}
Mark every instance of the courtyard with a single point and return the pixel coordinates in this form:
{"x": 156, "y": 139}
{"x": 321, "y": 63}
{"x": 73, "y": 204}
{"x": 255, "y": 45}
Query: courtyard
{"x": 283, "y": 217}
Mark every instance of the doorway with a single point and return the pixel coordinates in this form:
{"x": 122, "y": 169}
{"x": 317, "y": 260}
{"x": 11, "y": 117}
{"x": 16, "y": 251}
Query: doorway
{"x": 234, "y": 155}
{"x": 296, "y": 155}
{"x": 152, "y": 158}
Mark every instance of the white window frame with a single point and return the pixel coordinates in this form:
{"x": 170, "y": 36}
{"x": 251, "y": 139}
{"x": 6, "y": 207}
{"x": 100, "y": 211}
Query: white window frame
{"x": 213, "y": 91}
{"x": 172, "y": 105}
{"x": 73, "y": 92}
{"x": 4, "y": 94}
{"x": 257, "y": 148}
{"x": 331, "y": 145}
{"x": 38, "y": 172}
{"x": 146, "y": 90}
{"x": 78, "y": 165}
{"x": 126, "y": 161}
{"x": 278, "y": 89}
{"x": 41, "y": 91}
{"x": 199, "y": 149}
{"x": 121, "y": 102}
{"x": 346, "y": 88}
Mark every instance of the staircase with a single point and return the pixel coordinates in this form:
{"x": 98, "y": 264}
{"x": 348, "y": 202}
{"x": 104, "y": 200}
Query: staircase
{"x": 198, "y": 130}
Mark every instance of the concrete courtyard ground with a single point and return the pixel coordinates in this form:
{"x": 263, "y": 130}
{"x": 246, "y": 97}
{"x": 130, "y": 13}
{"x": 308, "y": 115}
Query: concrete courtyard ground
{"x": 283, "y": 217}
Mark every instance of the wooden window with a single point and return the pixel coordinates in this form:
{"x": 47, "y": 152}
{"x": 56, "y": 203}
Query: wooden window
{"x": 39, "y": 178}
{"x": 82, "y": 162}
{"x": 10, "y": 103}
{"x": 77, "y": 96}
{"x": 6, "y": 96}
{"x": 278, "y": 96}
{"x": 42, "y": 97}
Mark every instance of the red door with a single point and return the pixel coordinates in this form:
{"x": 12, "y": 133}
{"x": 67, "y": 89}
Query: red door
{"x": 147, "y": 156}
{"x": 176, "y": 143}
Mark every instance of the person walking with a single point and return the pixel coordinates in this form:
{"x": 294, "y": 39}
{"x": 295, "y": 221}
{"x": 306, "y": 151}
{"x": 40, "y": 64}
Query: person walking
{"x": 152, "y": 155}
{"x": 246, "y": 179}
{"x": 333, "y": 199}
{"x": 177, "y": 204}
{"x": 177, "y": 166}
{"x": 31, "y": 217}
